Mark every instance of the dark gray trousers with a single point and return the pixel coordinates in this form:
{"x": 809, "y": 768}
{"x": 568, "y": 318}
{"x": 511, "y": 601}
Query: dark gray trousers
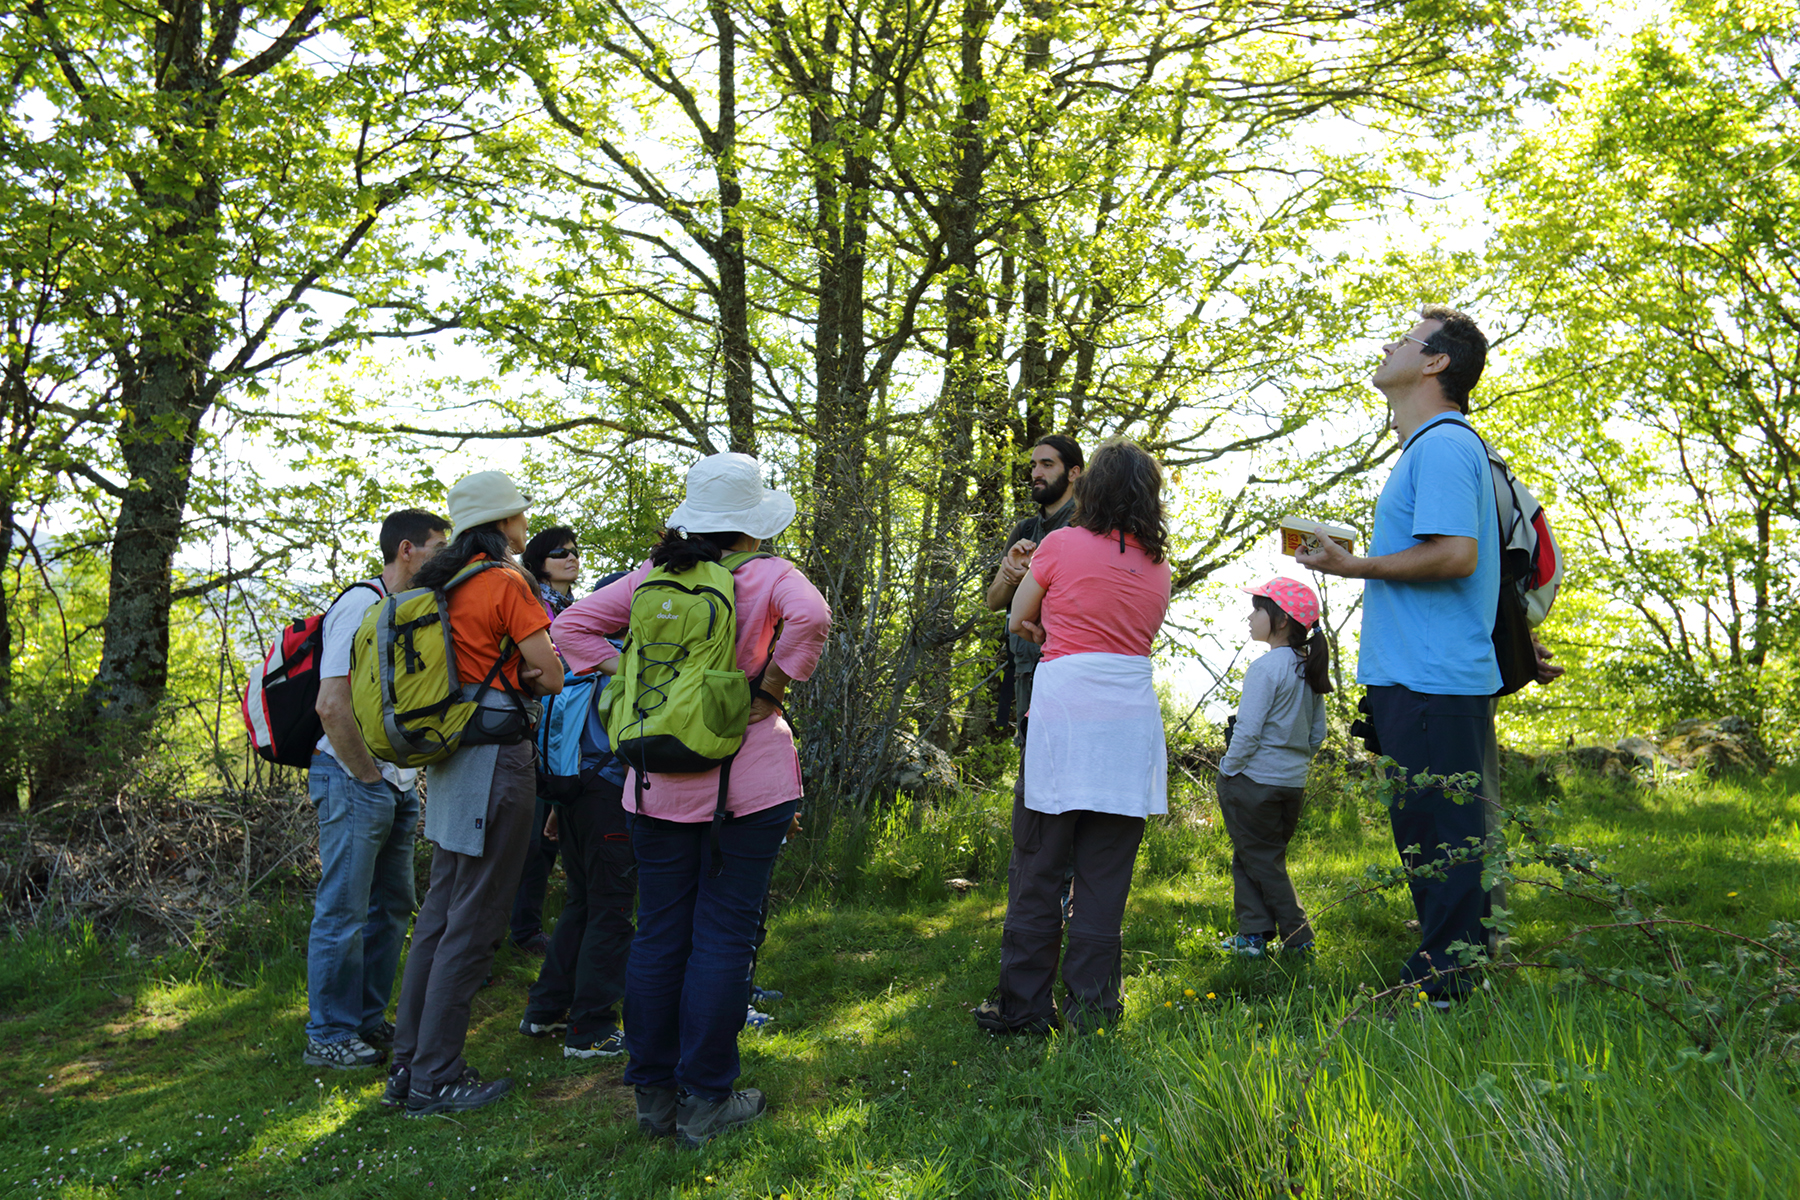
{"x": 1102, "y": 848}
{"x": 460, "y": 926}
{"x": 1261, "y": 820}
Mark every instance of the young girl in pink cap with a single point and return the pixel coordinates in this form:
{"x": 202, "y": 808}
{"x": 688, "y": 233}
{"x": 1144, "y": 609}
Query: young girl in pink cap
{"x": 1262, "y": 778}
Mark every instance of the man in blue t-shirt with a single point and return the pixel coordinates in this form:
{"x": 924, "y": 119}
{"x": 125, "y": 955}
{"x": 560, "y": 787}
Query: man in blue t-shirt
{"x": 1427, "y": 650}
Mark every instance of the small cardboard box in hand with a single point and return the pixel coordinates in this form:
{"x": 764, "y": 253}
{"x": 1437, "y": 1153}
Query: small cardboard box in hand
{"x": 1298, "y": 533}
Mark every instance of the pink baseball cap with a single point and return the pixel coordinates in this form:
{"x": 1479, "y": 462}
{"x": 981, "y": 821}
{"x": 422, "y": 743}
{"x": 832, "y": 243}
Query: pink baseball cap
{"x": 1294, "y": 598}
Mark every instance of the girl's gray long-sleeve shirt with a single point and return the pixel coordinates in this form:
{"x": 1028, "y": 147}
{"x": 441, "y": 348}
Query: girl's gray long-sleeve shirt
{"x": 1280, "y": 723}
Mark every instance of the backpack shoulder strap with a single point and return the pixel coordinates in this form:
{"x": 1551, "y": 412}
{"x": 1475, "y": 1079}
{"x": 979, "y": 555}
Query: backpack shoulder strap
{"x": 739, "y": 558}
{"x": 374, "y": 585}
{"x": 470, "y": 571}
{"x": 1508, "y": 510}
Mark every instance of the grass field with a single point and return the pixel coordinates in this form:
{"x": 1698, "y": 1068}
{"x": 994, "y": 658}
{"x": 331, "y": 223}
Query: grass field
{"x": 127, "y": 1077}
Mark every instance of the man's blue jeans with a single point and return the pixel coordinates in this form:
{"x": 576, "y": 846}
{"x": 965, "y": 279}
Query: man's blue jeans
{"x": 364, "y": 901}
{"x": 687, "y": 987}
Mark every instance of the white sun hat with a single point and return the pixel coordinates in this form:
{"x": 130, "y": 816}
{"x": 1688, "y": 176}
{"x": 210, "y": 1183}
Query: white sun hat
{"x": 725, "y": 495}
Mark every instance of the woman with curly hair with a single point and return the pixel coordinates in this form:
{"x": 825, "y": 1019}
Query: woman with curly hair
{"x": 1095, "y": 764}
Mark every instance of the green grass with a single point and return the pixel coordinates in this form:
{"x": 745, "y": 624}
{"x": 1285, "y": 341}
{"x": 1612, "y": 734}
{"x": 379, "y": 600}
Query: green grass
{"x": 183, "y": 1077}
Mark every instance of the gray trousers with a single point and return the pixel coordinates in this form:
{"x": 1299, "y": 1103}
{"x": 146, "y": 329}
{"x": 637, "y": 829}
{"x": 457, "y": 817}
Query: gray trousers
{"x": 1261, "y": 820}
{"x": 1102, "y": 848}
{"x": 460, "y": 926}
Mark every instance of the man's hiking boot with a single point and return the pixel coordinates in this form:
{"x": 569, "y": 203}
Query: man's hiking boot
{"x": 698, "y": 1121}
{"x": 542, "y": 1027}
{"x": 399, "y": 1087}
{"x": 459, "y": 1095}
{"x": 348, "y": 1055}
{"x": 656, "y": 1111}
{"x": 379, "y": 1035}
{"x": 1249, "y": 945}
{"x": 989, "y": 1017}
{"x": 611, "y": 1044}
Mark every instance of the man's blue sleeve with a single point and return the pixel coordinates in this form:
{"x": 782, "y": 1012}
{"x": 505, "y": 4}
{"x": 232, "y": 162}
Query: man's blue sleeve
{"x": 1448, "y": 477}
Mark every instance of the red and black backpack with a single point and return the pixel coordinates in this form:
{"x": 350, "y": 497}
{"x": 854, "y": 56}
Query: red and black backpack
{"x": 281, "y": 703}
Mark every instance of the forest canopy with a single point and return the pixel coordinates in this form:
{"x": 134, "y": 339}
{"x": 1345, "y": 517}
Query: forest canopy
{"x": 274, "y": 269}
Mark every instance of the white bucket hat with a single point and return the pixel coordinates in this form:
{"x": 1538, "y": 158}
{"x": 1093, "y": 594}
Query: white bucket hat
{"x": 482, "y": 497}
{"x": 725, "y": 495}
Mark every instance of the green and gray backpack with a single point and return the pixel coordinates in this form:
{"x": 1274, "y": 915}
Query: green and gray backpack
{"x": 680, "y": 703}
{"x": 410, "y": 705}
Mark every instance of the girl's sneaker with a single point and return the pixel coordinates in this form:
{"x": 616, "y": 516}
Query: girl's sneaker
{"x": 1250, "y": 945}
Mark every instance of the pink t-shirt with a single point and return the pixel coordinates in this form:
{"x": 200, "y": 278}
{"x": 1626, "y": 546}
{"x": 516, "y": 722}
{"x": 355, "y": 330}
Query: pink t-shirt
{"x": 770, "y": 591}
{"x": 1096, "y": 599}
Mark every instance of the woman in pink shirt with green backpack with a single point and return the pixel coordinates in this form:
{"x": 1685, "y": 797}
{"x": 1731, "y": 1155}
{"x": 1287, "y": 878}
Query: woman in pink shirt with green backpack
{"x": 1095, "y": 764}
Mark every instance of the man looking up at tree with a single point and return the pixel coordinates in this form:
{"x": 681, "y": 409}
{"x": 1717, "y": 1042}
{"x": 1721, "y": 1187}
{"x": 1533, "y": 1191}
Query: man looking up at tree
{"x": 1055, "y": 466}
{"x": 1427, "y": 650}
{"x": 367, "y": 814}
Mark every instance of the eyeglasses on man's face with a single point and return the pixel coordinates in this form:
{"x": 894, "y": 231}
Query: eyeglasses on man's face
{"x": 564, "y": 552}
{"x": 1424, "y": 344}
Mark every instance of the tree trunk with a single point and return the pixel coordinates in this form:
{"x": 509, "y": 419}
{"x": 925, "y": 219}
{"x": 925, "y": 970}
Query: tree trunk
{"x": 964, "y": 371}
{"x": 734, "y": 286}
{"x": 1034, "y": 361}
{"x": 9, "y": 753}
{"x": 165, "y": 385}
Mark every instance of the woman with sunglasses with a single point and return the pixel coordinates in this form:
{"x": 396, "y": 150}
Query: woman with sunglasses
{"x": 554, "y": 561}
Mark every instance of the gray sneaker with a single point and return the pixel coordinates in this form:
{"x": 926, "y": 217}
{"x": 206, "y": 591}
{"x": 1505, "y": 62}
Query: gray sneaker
{"x": 348, "y": 1055}
{"x": 379, "y": 1035}
{"x": 656, "y": 1111}
{"x": 698, "y": 1121}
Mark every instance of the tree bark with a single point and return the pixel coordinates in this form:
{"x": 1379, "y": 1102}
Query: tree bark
{"x": 964, "y": 371}
{"x": 734, "y": 295}
{"x": 165, "y": 383}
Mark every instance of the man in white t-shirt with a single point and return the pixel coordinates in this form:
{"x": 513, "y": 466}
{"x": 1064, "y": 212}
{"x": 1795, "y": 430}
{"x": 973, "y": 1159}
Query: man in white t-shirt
{"x": 368, "y": 811}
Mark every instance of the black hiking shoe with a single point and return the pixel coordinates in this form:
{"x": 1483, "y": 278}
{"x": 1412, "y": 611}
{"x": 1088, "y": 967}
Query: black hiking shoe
{"x": 399, "y": 1087}
{"x": 542, "y": 1027}
{"x": 459, "y": 1095}
{"x": 989, "y": 1017}
{"x": 379, "y": 1035}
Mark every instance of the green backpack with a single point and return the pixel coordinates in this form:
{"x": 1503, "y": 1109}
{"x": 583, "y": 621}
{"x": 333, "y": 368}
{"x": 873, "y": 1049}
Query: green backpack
{"x": 680, "y": 703}
{"x": 409, "y": 704}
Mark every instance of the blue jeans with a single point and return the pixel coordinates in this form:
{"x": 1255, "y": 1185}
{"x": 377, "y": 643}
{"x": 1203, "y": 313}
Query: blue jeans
{"x": 687, "y": 986}
{"x": 364, "y": 901}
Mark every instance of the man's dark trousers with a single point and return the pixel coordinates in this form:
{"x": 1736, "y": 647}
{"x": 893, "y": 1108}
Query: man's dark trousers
{"x": 1442, "y": 735}
{"x": 584, "y": 972}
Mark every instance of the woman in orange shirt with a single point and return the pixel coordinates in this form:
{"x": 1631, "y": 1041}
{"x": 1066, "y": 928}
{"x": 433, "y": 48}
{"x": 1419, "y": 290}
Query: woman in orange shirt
{"x": 482, "y": 799}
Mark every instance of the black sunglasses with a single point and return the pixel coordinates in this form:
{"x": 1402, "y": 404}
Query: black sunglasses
{"x": 564, "y": 552}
